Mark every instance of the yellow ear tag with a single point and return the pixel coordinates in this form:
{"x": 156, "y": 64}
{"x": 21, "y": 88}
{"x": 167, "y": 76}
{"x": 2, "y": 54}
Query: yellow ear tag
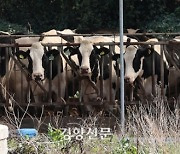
{"x": 102, "y": 53}
{"x": 21, "y": 56}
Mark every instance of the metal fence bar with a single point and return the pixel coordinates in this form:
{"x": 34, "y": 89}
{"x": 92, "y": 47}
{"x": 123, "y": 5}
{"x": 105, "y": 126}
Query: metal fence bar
{"x": 162, "y": 72}
{"x": 111, "y": 44}
{"x": 7, "y": 97}
{"x": 122, "y": 111}
{"x": 100, "y": 44}
{"x": 60, "y": 49}
{"x": 153, "y": 73}
{"x": 93, "y": 34}
{"x": 111, "y": 47}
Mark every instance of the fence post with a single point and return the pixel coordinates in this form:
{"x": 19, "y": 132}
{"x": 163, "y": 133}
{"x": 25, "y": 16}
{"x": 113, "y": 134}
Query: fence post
{"x": 3, "y": 139}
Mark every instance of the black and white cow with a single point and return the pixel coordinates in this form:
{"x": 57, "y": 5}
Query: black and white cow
{"x": 89, "y": 57}
{"x": 10, "y": 73}
{"x": 138, "y": 63}
{"x": 39, "y": 68}
{"x": 14, "y": 77}
{"x": 172, "y": 51}
{"x": 39, "y": 58}
{"x": 4, "y": 66}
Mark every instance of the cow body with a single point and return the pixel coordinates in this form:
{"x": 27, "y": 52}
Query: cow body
{"x": 138, "y": 63}
{"x": 14, "y": 77}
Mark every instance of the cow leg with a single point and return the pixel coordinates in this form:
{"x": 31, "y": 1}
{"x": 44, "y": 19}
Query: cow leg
{"x": 59, "y": 89}
{"x": 109, "y": 95}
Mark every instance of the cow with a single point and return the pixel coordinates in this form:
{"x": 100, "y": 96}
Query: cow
{"x": 89, "y": 57}
{"x": 172, "y": 52}
{"x": 4, "y": 60}
{"x": 17, "y": 80}
{"x": 138, "y": 63}
{"x": 39, "y": 58}
{"x": 39, "y": 68}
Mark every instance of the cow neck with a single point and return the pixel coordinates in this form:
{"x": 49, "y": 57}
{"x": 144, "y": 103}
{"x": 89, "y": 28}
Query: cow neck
{"x": 57, "y": 61}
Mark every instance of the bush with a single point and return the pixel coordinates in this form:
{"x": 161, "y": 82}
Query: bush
{"x": 165, "y": 22}
{"x": 125, "y": 147}
{"x": 11, "y": 27}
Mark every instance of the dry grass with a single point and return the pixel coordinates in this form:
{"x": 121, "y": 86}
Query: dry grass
{"x": 155, "y": 126}
{"x": 151, "y": 128}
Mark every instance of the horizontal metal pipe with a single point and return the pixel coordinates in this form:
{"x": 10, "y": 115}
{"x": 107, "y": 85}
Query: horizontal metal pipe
{"x": 93, "y": 34}
{"x": 99, "y": 44}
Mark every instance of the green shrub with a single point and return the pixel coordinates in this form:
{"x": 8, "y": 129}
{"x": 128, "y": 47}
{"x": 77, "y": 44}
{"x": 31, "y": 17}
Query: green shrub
{"x": 165, "y": 22}
{"x": 11, "y": 27}
{"x": 56, "y": 135}
{"x": 125, "y": 147}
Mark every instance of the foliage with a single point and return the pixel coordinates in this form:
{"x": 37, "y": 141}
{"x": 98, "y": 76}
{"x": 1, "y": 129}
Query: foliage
{"x": 90, "y": 15}
{"x": 150, "y": 128}
{"x": 125, "y": 147}
{"x": 10, "y": 27}
{"x": 55, "y": 135}
{"x": 26, "y": 146}
{"x": 166, "y": 22}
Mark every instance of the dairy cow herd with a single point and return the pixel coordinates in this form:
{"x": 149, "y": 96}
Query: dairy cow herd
{"x": 49, "y": 75}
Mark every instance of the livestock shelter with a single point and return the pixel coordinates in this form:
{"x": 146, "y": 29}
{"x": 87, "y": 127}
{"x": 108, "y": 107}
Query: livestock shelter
{"x": 73, "y": 105}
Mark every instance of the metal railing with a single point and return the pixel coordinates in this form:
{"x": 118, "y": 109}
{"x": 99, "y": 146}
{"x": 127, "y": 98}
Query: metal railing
{"x": 111, "y": 45}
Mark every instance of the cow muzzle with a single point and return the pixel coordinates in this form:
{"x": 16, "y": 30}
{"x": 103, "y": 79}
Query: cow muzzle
{"x": 84, "y": 71}
{"x": 37, "y": 76}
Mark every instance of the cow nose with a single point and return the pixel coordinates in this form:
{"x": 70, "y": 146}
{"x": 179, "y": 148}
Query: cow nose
{"x": 84, "y": 70}
{"x": 37, "y": 76}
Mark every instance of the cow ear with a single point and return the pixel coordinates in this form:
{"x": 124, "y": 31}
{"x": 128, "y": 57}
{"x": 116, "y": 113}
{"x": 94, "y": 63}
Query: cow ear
{"x": 102, "y": 51}
{"x": 22, "y": 54}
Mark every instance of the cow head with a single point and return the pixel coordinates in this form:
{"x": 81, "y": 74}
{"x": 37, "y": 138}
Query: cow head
{"x": 133, "y": 61}
{"x": 39, "y": 60}
{"x": 88, "y": 56}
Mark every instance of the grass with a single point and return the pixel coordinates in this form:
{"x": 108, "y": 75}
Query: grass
{"x": 150, "y": 129}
